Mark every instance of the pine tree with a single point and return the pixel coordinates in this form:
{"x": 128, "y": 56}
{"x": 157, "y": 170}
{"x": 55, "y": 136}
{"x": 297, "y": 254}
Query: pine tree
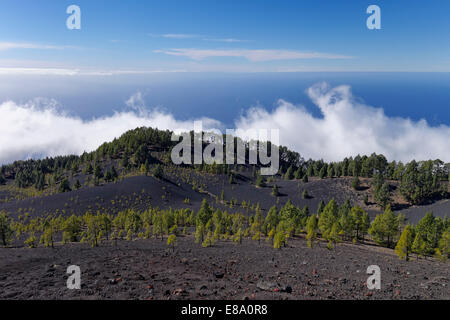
{"x": 203, "y": 221}
{"x": 125, "y": 161}
{"x": 129, "y": 236}
{"x": 404, "y": 245}
{"x": 383, "y": 195}
{"x": 298, "y": 174}
{"x": 6, "y": 231}
{"x": 71, "y": 228}
{"x": 322, "y": 173}
{"x": 430, "y": 229}
{"x": 114, "y": 174}
{"x": 289, "y": 175}
{"x": 107, "y": 177}
{"x": 98, "y": 171}
{"x": 365, "y": 224}
{"x": 49, "y": 230}
{"x": 305, "y": 178}
{"x": 275, "y": 191}
{"x": 40, "y": 183}
{"x": 419, "y": 246}
{"x": 357, "y": 215}
{"x": 88, "y": 169}
{"x": 333, "y": 236}
{"x": 270, "y": 235}
{"x": 144, "y": 168}
{"x": 31, "y": 241}
{"x": 443, "y": 251}
{"x": 330, "y": 171}
{"x": 392, "y": 226}
{"x": 305, "y": 194}
{"x": 385, "y": 228}
{"x": 320, "y": 207}
{"x": 328, "y": 218}
{"x": 93, "y": 230}
{"x": 279, "y": 239}
{"x": 64, "y": 186}
{"x": 311, "y": 230}
{"x": 238, "y": 236}
{"x": 209, "y": 240}
{"x": 158, "y": 172}
{"x": 271, "y": 220}
{"x": 260, "y": 181}
{"x": 356, "y": 183}
{"x": 310, "y": 171}
{"x": 205, "y": 213}
{"x": 257, "y": 237}
{"x": 199, "y": 233}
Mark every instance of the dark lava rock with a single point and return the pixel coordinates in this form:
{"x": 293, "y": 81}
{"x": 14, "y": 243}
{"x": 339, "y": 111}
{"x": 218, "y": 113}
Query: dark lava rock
{"x": 219, "y": 275}
{"x": 288, "y": 289}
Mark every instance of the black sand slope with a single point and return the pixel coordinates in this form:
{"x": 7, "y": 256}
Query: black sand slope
{"x": 146, "y": 269}
{"x": 142, "y": 192}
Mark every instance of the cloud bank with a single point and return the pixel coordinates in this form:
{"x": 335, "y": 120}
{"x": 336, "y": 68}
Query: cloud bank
{"x": 39, "y": 129}
{"x": 347, "y": 127}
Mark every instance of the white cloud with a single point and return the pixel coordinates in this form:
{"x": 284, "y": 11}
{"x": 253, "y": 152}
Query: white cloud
{"x": 39, "y": 71}
{"x": 252, "y": 55}
{"x": 77, "y": 72}
{"x": 195, "y": 36}
{"x": 348, "y": 128}
{"x": 228, "y": 40}
{"x": 179, "y": 36}
{"x": 37, "y": 129}
{"x": 24, "y": 45}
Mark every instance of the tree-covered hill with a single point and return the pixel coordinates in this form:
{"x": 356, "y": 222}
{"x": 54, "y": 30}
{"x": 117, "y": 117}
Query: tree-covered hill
{"x": 147, "y": 151}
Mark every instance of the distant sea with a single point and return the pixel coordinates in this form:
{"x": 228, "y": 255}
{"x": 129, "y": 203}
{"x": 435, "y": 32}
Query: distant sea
{"x": 225, "y": 96}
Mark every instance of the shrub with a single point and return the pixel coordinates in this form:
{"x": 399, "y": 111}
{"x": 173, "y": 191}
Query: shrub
{"x": 171, "y": 241}
{"x": 31, "y": 241}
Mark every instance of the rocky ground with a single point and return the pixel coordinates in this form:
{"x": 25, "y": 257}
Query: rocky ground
{"x": 147, "y": 269}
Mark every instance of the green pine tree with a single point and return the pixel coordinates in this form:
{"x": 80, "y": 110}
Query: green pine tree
{"x": 404, "y": 245}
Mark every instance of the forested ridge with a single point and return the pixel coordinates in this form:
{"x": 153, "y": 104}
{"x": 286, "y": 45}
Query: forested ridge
{"x": 419, "y": 181}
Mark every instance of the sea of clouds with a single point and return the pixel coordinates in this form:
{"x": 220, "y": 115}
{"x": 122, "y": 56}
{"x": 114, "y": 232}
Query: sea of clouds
{"x": 348, "y": 127}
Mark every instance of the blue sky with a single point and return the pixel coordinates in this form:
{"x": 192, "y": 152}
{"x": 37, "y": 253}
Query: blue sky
{"x": 242, "y": 36}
